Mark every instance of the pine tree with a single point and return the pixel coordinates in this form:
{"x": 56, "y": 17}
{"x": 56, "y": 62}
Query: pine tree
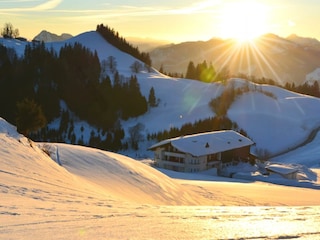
{"x": 29, "y": 116}
{"x": 191, "y": 71}
{"x": 152, "y": 101}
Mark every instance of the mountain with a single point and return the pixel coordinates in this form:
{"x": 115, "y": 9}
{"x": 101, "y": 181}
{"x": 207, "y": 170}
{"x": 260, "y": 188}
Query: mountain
{"x": 45, "y": 36}
{"x": 268, "y": 114}
{"x": 270, "y": 56}
{"x": 147, "y": 44}
{"x": 312, "y": 43}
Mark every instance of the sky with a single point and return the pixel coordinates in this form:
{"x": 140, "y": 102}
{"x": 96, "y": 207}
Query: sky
{"x": 173, "y": 20}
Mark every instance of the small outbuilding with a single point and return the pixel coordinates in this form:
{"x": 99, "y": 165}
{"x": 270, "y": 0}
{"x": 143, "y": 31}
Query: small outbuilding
{"x": 286, "y": 171}
{"x": 198, "y": 152}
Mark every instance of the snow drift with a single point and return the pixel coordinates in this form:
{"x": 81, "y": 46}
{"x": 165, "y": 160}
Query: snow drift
{"x": 99, "y": 195}
{"x": 112, "y": 174}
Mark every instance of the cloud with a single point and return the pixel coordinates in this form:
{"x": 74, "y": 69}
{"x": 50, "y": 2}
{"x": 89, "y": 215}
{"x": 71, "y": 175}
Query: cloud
{"x": 48, "y": 5}
{"x": 134, "y": 11}
{"x": 51, "y": 4}
{"x": 112, "y": 11}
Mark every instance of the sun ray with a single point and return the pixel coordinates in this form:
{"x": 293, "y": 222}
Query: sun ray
{"x": 247, "y": 58}
{"x": 267, "y": 62}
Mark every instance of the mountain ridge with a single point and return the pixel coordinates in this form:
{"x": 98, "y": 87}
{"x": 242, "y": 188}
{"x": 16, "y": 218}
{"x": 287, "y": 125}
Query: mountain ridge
{"x": 273, "y": 57}
{"x": 45, "y": 36}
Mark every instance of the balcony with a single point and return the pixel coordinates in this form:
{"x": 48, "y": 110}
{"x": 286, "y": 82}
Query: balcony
{"x": 171, "y": 163}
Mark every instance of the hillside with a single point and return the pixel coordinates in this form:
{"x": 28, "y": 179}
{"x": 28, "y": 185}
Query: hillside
{"x": 98, "y": 194}
{"x": 83, "y": 170}
{"x": 270, "y": 56}
{"x": 268, "y": 120}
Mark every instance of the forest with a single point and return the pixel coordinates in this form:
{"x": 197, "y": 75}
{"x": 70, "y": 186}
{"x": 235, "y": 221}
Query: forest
{"x": 44, "y": 78}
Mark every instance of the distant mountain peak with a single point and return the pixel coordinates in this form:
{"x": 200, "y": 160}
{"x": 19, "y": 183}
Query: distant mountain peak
{"x": 46, "y": 36}
{"x": 304, "y": 41}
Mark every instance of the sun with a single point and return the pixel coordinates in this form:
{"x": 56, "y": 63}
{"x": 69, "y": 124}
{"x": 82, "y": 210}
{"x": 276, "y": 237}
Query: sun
{"x": 243, "y": 20}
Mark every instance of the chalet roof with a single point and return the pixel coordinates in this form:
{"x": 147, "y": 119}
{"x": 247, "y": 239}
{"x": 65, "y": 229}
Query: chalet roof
{"x": 207, "y": 143}
{"x": 282, "y": 168}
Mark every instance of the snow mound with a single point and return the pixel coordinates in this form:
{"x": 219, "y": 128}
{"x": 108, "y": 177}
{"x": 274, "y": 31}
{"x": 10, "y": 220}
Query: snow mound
{"x": 122, "y": 176}
{"x": 85, "y": 170}
{"x": 7, "y": 128}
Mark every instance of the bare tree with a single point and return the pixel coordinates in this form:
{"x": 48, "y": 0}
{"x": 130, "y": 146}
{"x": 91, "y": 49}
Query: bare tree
{"x": 135, "y": 135}
{"x": 136, "y": 67}
{"x": 112, "y": 64}
{"x": 9, "y": 32}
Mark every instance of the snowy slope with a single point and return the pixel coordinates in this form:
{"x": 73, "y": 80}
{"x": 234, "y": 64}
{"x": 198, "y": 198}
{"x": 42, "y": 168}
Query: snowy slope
{"x": 117, "y": 175}
{"x": 308, "y": 155}
{"x": 276, "y": 124}
{"x": 94, "y": 41}
{"x": 18, "y": 45}
{"x": 102, "y": 195}
{"x": 121, "y": 176}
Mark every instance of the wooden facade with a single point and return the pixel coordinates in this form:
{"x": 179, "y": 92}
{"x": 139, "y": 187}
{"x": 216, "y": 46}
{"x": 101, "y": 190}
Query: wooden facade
{"x": 172, "y": 155}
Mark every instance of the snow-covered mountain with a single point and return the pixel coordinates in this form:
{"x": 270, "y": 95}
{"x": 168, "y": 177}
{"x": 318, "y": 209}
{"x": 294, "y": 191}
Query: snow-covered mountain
{"x": 269, "y": 120}
{"x": 270, "y": 56}
{"x": 45, "y": 36}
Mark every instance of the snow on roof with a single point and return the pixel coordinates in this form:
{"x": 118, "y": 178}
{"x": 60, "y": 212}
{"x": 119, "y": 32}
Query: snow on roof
{"x": 207, "y": 143}
{"x": 281, "y": 168}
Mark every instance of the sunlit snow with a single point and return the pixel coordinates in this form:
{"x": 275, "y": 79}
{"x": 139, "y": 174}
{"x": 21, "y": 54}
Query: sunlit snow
{"x": 95, "y": 194}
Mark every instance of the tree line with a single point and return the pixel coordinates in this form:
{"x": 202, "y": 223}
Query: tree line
{"x": 44, "y": 77}
{"x": 205, "y": 125}
{"x": 119, "y": 42}
{"x": 205, "y": 72}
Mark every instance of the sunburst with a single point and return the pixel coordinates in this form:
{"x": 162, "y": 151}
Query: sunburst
{"x": 243, "y": 20}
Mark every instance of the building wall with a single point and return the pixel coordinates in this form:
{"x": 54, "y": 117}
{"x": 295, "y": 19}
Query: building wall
{"x": 243, "y": 152}
{"x": 181, "y": 162}
{"x": 167, "y": 157}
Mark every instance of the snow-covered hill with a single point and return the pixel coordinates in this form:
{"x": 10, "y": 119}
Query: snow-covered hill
{"x": 267, "y": 120}
{"x": 134, "y": 180}
{"x": 98, "y": 195}
{"x": 276, "y": 123}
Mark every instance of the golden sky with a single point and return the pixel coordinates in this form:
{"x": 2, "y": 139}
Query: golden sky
{"x": 173, "y": 20}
